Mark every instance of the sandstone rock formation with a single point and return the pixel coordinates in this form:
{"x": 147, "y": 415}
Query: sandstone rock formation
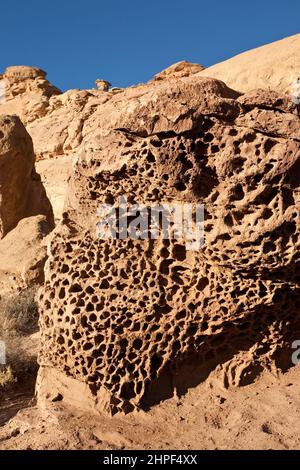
{"x": 178, "y": 70}
{"x": 27, "y": 92}
{"x": 23, "y": 254}
{"x": 55, "y": 121}
{"x": 103, "y": 85}
{"x": 59, "y": 133}
{"x": 57, "y": 137}
{"x": 274, "y": 66}
{"x": 21, "y": 191}
{"x": 55, "y": 173}
{"x": 116, "y": 315}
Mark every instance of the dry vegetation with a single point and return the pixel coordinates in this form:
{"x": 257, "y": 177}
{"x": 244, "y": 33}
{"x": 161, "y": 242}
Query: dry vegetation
{"x": 18, "y": 322}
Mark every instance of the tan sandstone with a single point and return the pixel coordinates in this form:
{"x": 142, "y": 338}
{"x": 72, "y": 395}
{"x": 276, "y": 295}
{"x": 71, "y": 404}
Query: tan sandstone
{"x": 21, "y": 190}
{"x": 23, "y": 253}
{"x": 119, "y": 318}
{"x": 274, "y": 66}
{"x": 27, "y": 92}
{"x": 178, "y": 70}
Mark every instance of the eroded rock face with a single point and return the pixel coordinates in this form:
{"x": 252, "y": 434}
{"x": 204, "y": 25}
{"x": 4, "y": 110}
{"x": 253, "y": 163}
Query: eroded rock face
{"x": 178, "y": 70}
{"x": 55, "y": 174}
{"x": 59, "y": 132}
{"x": 26, "y": 92}
{"x": 117, "y": 314}
{"x": 23, "y": 254}
{"x": 21, "y": 191}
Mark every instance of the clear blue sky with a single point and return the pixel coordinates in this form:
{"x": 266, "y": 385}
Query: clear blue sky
{"x": 127, "y": 42}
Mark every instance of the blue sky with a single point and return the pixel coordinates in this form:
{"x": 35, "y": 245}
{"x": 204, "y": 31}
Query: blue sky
{"x": 127, "y": 42}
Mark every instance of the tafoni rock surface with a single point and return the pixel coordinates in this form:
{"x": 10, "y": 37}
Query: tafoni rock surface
{"x": 120, "y": 316}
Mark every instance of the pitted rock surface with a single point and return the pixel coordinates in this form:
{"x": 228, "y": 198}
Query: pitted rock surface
{"x": 117, "y": 314}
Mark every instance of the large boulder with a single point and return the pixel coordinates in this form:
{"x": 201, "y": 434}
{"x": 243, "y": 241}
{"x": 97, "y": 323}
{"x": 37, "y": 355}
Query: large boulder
{"x": 22, "y": 193}
{"x": 117, "y": 314}
{"x": 23, "y": 253}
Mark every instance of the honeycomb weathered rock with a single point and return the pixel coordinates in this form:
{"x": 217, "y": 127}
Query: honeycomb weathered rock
{"x": 116, "y": 314}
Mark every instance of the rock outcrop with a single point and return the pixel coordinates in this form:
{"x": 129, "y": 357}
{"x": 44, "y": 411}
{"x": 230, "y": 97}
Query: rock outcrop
{"x": 23, "y": 253}
{"x": 27, "y": 92}
{"x": 55, "y": 173}
{"x": 274, "y": 66}
{"x": 117, "y": 314}
{"x": 21, "y": 191}
{"x": 59, "y": 133}
{"x": 55, "y": 121}
{"x": 179, "y": 70}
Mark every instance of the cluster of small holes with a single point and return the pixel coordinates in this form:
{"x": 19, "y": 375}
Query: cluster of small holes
{"x": 116, "y": 313}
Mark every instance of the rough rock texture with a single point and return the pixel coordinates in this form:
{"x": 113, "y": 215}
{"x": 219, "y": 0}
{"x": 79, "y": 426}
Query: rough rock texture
{"x": 21, "y": 191}
{"x": 61, "y": 130}
{"x": 23, "y": 254}
{"x": 55, "y": 173}
{"x": 56, "y": 121}
{"x": 27, "y": 92}
{"x": 57, "y": 137}
{"x": 117, "y": 315}
{"x": 274, "y": 66}
{"x": 59, "y": 133}
{"x": 53, "y": 120}
{"x": 178, "y": 70}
